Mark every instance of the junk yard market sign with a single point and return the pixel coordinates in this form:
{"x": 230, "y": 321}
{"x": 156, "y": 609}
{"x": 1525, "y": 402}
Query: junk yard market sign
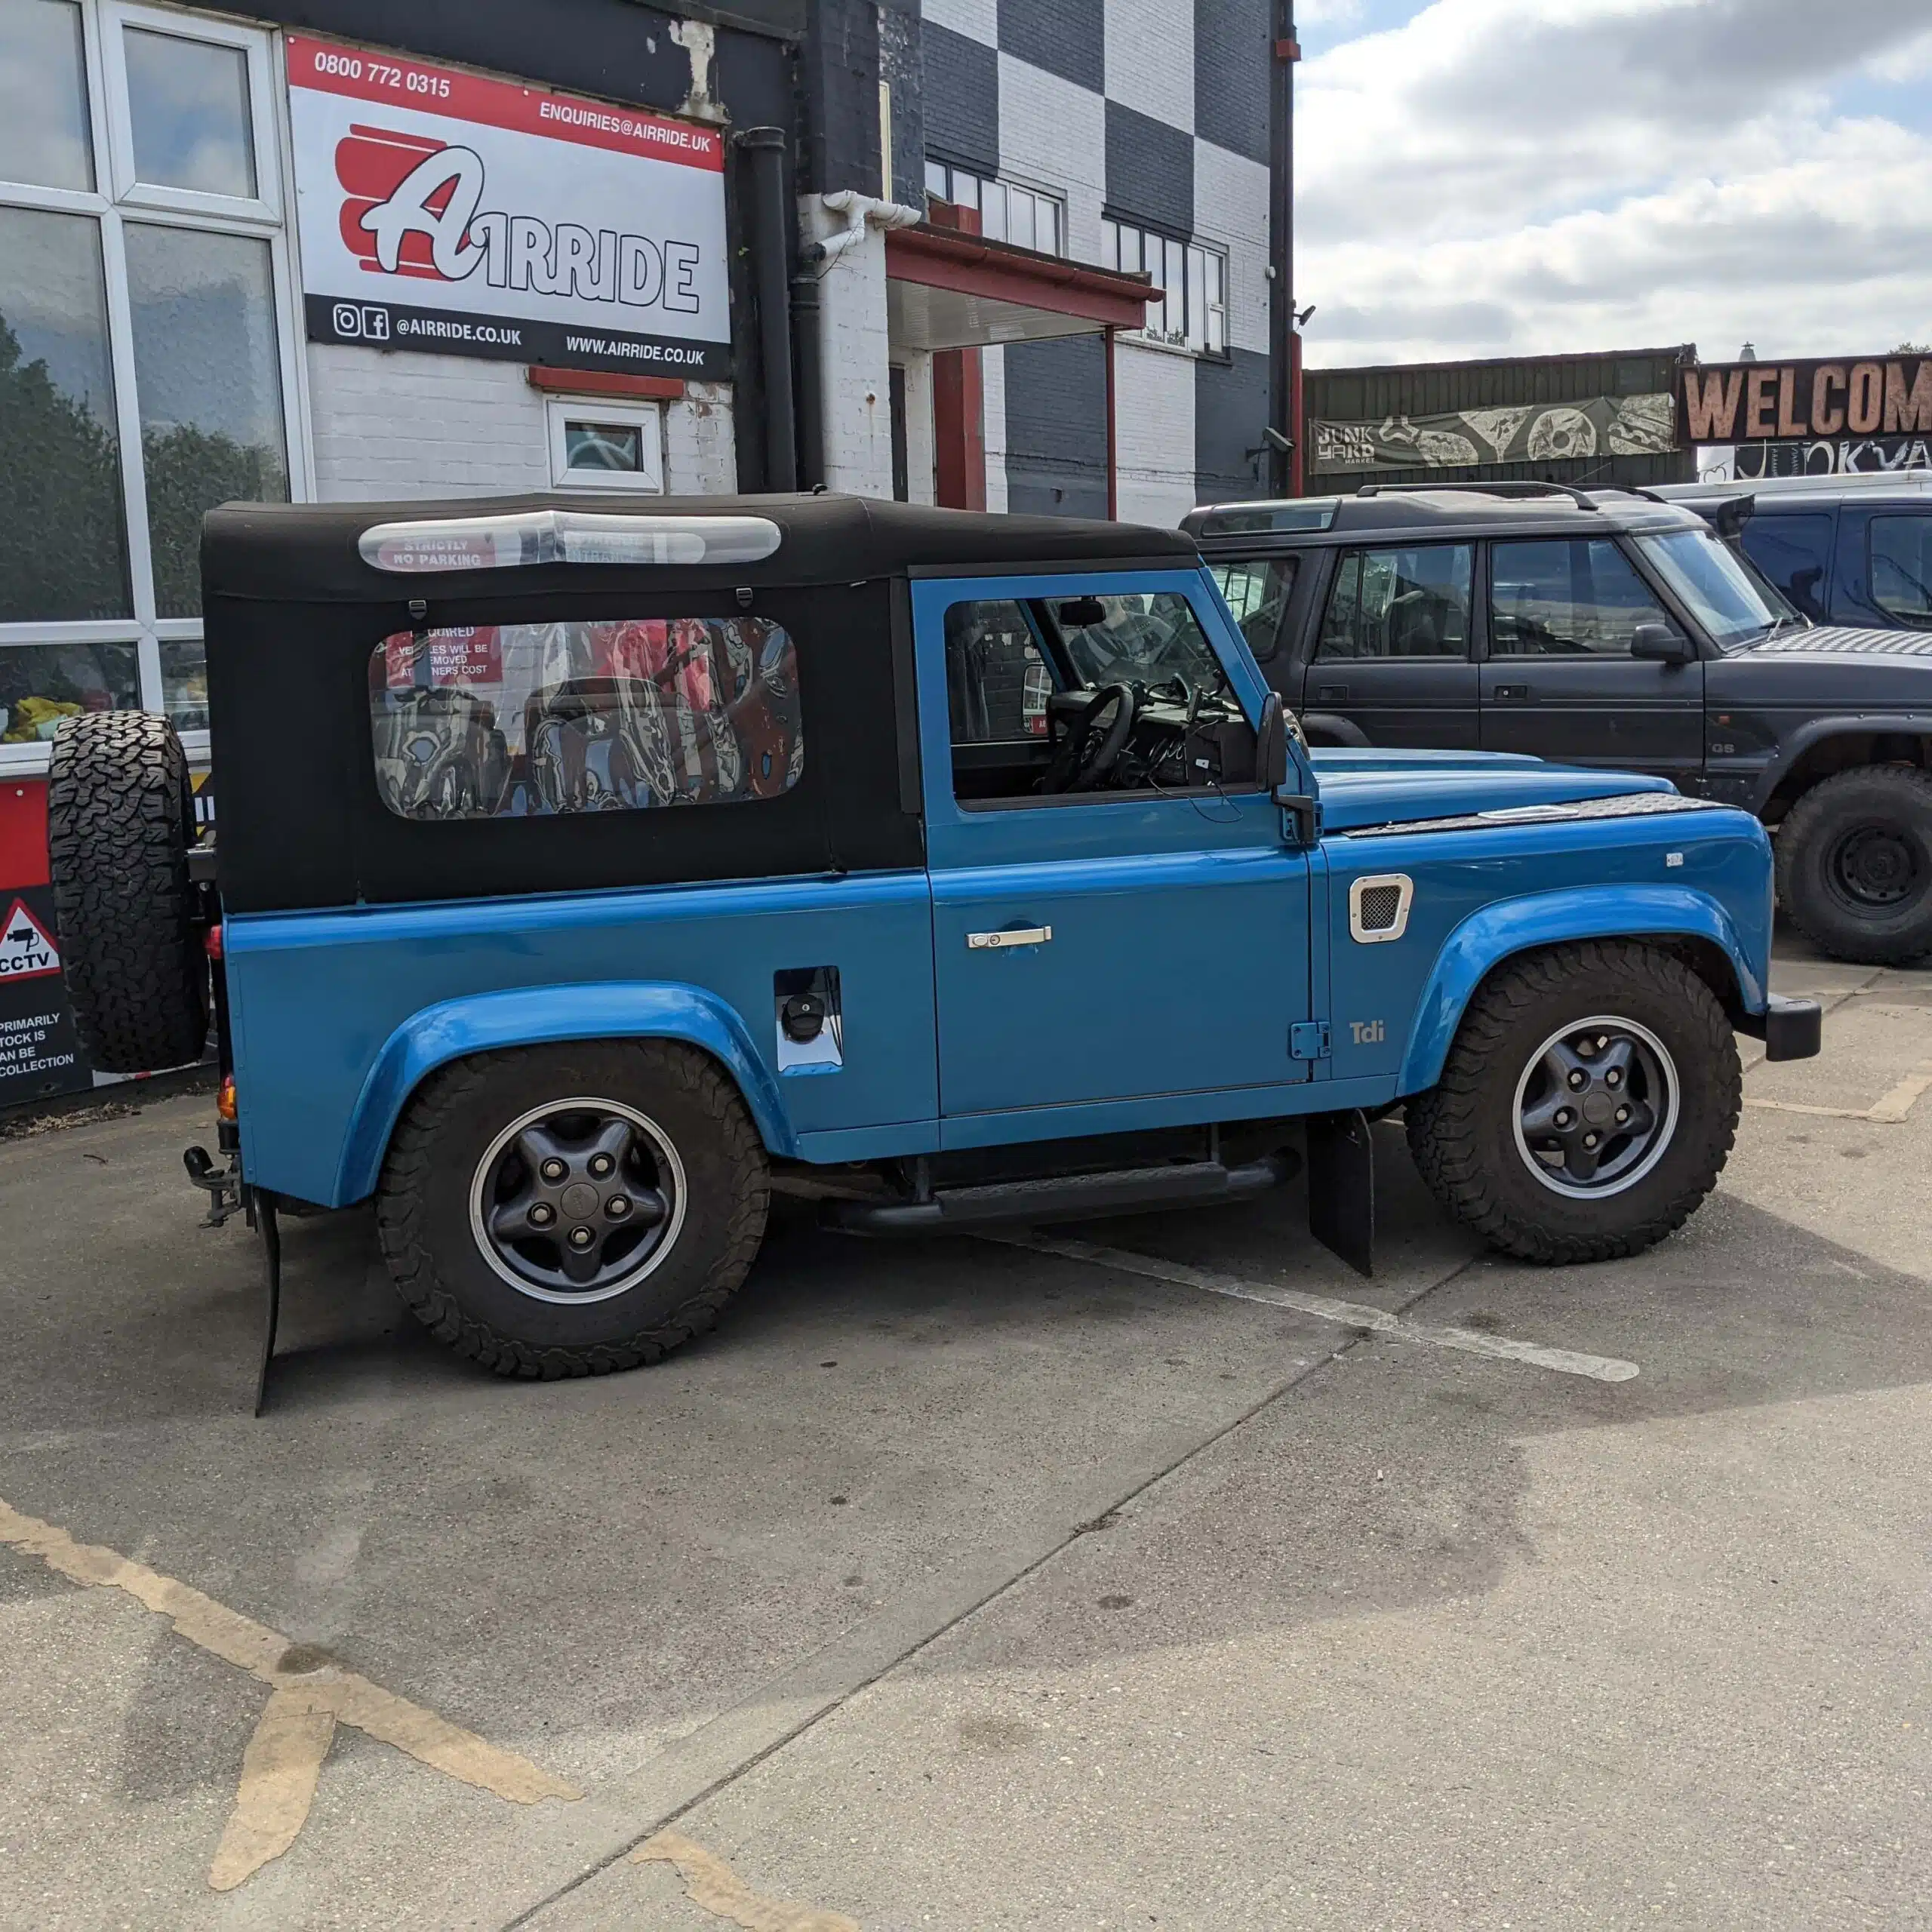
{"x": 1768, "y": 402}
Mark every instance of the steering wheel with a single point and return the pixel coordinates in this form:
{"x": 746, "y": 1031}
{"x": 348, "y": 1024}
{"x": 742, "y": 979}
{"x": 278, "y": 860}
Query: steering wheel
{"x": 1076, "y": 769}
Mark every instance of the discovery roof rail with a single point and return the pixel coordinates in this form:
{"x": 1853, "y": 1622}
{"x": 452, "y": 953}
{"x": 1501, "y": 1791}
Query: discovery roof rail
{"x": 1504, "y": 489}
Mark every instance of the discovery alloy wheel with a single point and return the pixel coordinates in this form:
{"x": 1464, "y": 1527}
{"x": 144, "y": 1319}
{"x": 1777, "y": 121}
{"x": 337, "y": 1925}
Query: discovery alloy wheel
{"x": 572, "y": 1210}
{"x": 1588, "y": 1104}
{"x": 577, "y": 1201}
{"x": 1596, "y": 1107}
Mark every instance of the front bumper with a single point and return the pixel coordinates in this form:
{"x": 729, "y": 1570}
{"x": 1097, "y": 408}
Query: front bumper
{"x": 1790, "y": 1028}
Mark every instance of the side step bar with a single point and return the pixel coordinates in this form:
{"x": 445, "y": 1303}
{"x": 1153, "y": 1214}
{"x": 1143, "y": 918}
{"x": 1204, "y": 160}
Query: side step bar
{"x": 1067, "y": 1196}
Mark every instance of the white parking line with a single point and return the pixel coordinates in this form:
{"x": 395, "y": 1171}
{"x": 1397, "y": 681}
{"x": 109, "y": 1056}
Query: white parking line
{"x": 1894, "y": 1108}
{"x": 1349, "y": 1314}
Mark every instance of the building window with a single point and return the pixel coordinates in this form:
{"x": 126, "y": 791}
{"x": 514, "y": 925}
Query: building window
{"x": 1006, "y": 212}
{"x": 1193, "y": 277}
{"x": 607, "y": 446}
{"x": 147, "y": 347}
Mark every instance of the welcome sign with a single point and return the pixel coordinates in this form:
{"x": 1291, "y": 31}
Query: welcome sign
{"x": 1764, "y": 402}
{"x": 448, "y": 212}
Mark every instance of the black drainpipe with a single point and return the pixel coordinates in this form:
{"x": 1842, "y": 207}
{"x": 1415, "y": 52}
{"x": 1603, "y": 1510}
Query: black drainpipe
{"x": 811, "y": 380}
{"x": 771, "y": 224}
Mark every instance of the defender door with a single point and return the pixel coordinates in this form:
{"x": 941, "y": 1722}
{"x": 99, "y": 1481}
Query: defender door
{"x": 1560, "y": 682}
{"x": 1100, "y": 956}
{"x": 1396, "y": 651}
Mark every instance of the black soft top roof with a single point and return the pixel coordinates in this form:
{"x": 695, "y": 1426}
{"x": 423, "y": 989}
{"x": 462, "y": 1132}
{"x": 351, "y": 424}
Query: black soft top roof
{"x": 306, "y": 552}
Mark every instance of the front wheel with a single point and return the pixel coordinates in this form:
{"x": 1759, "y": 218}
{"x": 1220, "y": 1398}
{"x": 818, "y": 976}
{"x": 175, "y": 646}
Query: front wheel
{"x": 1587, "y": 1105}
{"x": 1854, "y": 858}
{"x": 572, "y": 1210}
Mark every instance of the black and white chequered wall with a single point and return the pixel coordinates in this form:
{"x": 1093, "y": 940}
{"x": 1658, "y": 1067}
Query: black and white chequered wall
{"x": 1151, "y": 111}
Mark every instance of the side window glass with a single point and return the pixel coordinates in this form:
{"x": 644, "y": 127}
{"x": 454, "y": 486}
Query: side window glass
{"x": 1400, "y": 603}
{"x": 996, "y": 683}
{"x": 1902, "y": 569}
{"x": 1257, "y": 591}
{"x": 530, "y": 720}
{"x": 1793, "y": 551}
{"x": 1560, "y": 598}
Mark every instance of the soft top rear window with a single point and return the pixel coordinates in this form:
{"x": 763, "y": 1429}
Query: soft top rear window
{"x": 529, "y": 720}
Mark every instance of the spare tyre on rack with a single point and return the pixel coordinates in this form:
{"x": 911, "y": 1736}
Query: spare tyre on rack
{"x": 120, "y": 819}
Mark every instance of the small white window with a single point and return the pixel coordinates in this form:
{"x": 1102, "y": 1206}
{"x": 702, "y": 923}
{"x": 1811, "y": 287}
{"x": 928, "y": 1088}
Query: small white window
{"x": 597, "y": 445}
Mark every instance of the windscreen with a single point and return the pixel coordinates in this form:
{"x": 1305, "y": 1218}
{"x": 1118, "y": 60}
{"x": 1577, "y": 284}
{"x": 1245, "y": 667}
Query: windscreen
{"x": 1726, "y": 595}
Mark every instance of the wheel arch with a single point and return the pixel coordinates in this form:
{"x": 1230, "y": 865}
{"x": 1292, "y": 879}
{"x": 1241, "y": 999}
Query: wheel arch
{"x": 1690, "y": 924}
{"x": 1828, "y": 746}
{"x": 549, "y": 1016}
{"x": 1331, "y": 728}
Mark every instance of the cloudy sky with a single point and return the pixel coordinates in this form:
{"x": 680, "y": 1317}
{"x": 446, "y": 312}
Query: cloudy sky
{"x": 1501, "y": 177}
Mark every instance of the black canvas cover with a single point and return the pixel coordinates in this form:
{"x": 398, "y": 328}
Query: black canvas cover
{"x": 294, "y": 615}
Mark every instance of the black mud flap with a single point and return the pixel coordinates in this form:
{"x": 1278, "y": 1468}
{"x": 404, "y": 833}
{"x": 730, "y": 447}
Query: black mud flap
{"x": 1341, "y": 1187}
{"x": 262, "y": 1214}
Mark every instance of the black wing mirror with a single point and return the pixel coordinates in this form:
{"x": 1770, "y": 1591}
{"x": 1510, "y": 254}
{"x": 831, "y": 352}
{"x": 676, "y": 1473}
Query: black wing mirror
{"x": 1271, "y": 743}
{"x": 1660, "y": 644}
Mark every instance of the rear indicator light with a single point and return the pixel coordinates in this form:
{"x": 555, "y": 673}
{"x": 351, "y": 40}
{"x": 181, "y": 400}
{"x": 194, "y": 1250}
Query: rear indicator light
{"x": 224, "y": 1101}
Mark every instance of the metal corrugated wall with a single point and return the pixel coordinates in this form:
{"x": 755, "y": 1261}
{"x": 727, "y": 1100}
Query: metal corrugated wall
{"x": 1436, "y": 389}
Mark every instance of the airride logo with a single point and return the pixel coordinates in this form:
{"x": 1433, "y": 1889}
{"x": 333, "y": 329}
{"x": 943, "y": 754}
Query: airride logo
{"x": 413, "y": 206}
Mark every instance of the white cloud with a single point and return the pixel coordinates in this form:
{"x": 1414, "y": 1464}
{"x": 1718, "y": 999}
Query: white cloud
{"x": 1506, "y": 176}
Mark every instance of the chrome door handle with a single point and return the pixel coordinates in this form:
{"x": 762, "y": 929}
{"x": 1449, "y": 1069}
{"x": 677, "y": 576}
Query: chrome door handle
{"x": 1009, "y": 936}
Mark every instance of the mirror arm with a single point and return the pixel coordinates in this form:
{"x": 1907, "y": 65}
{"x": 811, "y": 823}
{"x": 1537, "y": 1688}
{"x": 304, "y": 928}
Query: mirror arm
{"x": 1305, "y": 810}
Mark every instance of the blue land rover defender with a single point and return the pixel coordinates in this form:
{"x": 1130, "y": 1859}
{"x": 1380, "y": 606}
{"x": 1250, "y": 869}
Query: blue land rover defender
{"x": 585, "y": 875}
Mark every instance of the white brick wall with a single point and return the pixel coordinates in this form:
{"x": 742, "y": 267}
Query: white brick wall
{"x": 700, "y": 455}
{"x": 856, "y": 357}
{"x": 405, "y": 425}
{"x": 992, "y": 385}
{"x": 1231, "y": 206}
{"x": 920, "y": 454}
{"x": 1150, "y": 58}
{"x": 1053, "y": 135}
{"x": 978, "y": 19}
{"x": 1154, "y": 416}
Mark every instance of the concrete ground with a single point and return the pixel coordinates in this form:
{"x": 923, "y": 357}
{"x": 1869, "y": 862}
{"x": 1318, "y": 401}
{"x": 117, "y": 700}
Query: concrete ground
{"x": 964, "y": 1585}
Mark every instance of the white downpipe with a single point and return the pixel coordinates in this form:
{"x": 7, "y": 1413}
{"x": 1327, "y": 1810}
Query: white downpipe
{"x": 859, "y": 211}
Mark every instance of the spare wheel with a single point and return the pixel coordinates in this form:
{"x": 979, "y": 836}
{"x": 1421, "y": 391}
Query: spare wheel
{"x": 120, "y": 819}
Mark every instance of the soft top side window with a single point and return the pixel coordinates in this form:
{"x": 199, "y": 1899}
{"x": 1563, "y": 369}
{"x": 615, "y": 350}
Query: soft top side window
{"x": 531, "y": 721}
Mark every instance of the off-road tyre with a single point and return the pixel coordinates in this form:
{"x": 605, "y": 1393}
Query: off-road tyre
{"x": 120, "y": 819}
{"x": 423, "y": 1207}
{"x": 1462, "y": 1132}
{"x": 1895, "y": 799}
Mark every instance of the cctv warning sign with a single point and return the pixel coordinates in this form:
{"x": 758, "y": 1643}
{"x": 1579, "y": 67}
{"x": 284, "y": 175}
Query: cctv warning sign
{"x": 26, "y": 952}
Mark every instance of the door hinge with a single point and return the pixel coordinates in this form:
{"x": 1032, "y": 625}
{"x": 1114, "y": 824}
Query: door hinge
{"x": 1308, "y": 1039}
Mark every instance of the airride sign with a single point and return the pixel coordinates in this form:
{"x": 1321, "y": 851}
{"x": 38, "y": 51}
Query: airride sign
{"x": 453, "y": 214}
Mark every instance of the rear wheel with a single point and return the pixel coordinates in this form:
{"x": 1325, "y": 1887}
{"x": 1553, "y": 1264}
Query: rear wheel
{"x": 120, "y": 819}
{"x": 1587, "y": 1106}
{"x": 1854, "y": 858}
{"x": 573, "y": 1209}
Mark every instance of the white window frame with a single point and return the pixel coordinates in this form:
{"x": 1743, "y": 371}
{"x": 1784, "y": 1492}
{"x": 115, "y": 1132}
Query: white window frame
{"x": 942, "y": 178}
{"x": 115, "y": 199}
{"x": 129, "y": 190}
{"x": 648, "y": 417}
{"x": 1204, "y": 333}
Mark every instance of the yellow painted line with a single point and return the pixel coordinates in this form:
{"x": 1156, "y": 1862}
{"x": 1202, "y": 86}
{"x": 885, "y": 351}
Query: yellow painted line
{"x": 311, "y": 1696}
{"x": 1895, "y": 1107}
{"x": 713, "y": 1887}
{"x": 279, "y": 1770}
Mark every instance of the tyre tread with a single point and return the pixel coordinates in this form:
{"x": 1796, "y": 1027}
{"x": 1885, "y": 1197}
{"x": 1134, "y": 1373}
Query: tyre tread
{"x": 441, "y": 1099}
{"x": 1442, "y": 1123}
